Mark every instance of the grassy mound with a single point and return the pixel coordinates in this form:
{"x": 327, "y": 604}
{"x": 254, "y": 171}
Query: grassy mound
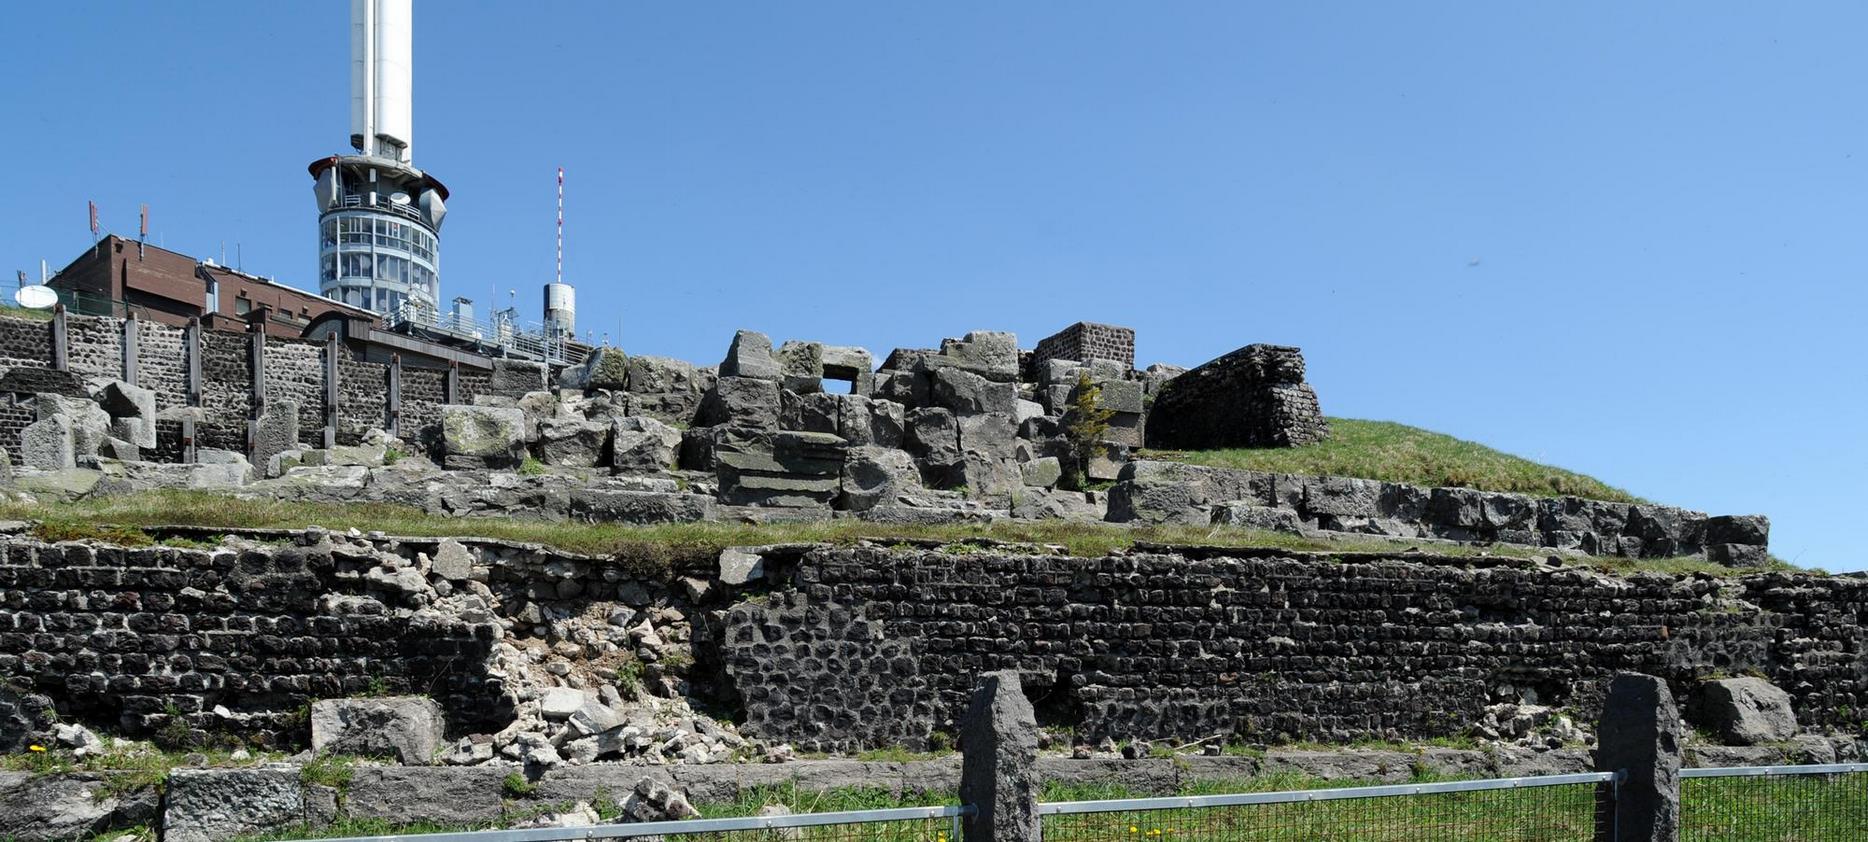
{"x": 1384, "y": 450}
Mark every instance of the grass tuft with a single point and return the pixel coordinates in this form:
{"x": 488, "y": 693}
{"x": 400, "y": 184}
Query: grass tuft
{"x": 1384, "y": 450}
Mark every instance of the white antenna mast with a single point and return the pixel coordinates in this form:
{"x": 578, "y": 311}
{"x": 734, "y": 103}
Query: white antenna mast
{"x": 559, "y": 277}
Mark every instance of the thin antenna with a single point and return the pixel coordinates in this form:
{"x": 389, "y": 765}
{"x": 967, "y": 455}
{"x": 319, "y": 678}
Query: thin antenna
{"x": 560, "y": 275}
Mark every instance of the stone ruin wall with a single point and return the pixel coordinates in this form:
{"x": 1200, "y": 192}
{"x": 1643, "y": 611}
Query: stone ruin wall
{"x": 966, "y": 431}
{"x": 1260, "y": 645}
{"x": 841, "y": 649}
{"x": 1253, "y": 397}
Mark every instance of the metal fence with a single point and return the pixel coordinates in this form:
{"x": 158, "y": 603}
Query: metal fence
{"x": 1552, "y": 807}
{"x": 907, "y": 824}
{"x": 1804, "y": 803}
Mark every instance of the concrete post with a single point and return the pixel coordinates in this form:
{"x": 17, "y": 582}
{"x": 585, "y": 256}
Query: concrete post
{"x": 330, "y": 391}
{"x": 130, "y": 354}
{"x": 188, "y": 440}
{"x": 451, "y": 388}
{"x": 999, "y": 762}
{"x": 191, "y": 348}
{"x": 61, "y": 344}
{"x": 1640, "y": 734}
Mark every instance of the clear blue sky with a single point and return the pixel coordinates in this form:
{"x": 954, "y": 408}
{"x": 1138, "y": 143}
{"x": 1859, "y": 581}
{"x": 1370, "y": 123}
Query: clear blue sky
{"x": 1622, "y": 238}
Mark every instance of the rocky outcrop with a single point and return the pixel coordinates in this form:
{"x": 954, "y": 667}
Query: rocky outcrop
{"x": 1743, "y": 711}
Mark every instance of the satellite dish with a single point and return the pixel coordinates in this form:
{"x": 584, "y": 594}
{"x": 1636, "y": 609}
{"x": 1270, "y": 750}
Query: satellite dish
{"x": 398, "y": 198}
{"x": 36, "y": 297}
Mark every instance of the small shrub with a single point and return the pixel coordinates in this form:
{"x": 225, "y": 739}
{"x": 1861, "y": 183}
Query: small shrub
{"x": 531, "y": 467}
{"x": 392, "y": 455}
{"x": 334, "y": 771}
{"x": 1086, "y": 422}
{"x": 517, "y": 786}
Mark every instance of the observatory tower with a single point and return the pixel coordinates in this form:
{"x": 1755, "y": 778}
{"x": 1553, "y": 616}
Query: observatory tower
{"x": 379, "y": 218}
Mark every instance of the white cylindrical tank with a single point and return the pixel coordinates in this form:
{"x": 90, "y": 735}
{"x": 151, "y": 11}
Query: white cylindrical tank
{"x": 395, "y": 47}
{"x": 561, "y": 307}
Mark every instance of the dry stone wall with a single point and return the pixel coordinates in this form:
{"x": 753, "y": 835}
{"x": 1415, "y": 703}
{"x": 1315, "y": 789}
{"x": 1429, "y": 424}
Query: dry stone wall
{"x": 1266, "y": 646}
{"x": 162, "y": 363}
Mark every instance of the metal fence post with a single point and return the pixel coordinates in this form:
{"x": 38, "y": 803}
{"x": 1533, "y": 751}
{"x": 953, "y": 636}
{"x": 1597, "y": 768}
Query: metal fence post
{"x": 1640, "y": 734}
{"x": 999, "y": 762}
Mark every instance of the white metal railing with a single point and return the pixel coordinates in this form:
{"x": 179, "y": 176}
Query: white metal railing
{"x": 1759, "y": 771}
{"x": 509, "y": 337}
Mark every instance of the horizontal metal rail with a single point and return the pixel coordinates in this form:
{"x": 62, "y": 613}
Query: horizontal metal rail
{"x": 677, "y": 828}
{"x": 1758, "y": 771}
{"x": 1299, "y": 796}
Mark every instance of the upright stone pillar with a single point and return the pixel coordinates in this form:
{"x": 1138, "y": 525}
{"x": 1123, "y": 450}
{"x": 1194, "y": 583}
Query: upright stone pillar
{"x": 331, "y": 392}
{"x": 999, "y": 763}
{"x": 131, "y": 356}
{"x": 61, "y": 342}
{"x": 1640, "y": 734}
{"x": 191, "y": 347}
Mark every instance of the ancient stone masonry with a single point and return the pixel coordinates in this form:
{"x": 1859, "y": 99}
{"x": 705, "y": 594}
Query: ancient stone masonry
{"x": 1253, "y": 397}
{"x": 1152, "y": 492}
{"x": 972, "y": 430}
{"x": 196, "y": 646}
{"x": 1268, "y": 646}
{"x": 1084, "y": 342}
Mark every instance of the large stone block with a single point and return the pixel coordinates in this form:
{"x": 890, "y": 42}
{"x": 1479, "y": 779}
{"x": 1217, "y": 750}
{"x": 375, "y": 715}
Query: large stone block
{"x": 514, "y": 378}
{"x": 210, "y": 805}
{"x": 967, "y": 393}
{"x": 572, "y": 442}
{"x": 46, "y": 444}
{"x": 276, "y": 431}
{"x": 408, "y": 728}
{"x": 493, "y": 436}
{"x": 876, "y": 476}
{"x": 999, "y": 769}
{"x": 750, "y": 356}
{"x": 1743, "y": 711}
{"x": 992, "y": 354}
{"x": 746, "y": 402}
{"x": 605, "y": 368}
{"x": 643, "y": 445}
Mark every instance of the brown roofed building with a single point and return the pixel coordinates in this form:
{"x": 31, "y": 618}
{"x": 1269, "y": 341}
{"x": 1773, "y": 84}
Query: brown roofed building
{"x": 171, "y": 288}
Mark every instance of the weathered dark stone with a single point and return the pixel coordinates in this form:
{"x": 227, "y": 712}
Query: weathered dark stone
{"x": 1640, "y": 734}
{"x": 1743, "y": 711}
{"x": 1252, "y": 397}
{"x": 998, "y": 774}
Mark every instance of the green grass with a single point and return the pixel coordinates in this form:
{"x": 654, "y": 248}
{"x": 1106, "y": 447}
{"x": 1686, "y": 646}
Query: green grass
{"x": 653, "y": 551}
{"x": 1726, "y": 809}
{"x": 1384, "y": 450}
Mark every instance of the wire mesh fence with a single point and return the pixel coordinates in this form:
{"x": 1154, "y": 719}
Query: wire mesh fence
{"x": 1544, "y": 809}
{"x": 1759, "y": 803}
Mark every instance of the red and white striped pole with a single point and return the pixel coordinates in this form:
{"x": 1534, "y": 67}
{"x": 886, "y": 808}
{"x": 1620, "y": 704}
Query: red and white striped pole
{"x": 560, "y": 275}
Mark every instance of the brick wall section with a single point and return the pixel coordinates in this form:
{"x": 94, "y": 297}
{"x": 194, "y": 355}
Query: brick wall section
{"x": 423, "y": 390}
{"x": 226, "y": 391}
{"x": 295, "y": 371}
{"x": 1082, "y": 342}
{"x": 95, "y": 345}
{"x": 162, "y": 363}
{"x": 1265, "y": 647}
{"x": 1253, "y": 397}
{"x": 362, "y": 398}
{"x": 16, "y": 412}
{"x": 25, "y": 342}
{"x": 473, "y": 383}
{"x": 119, "y": 636}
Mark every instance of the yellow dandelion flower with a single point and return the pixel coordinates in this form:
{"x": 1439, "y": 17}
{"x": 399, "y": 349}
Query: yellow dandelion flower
{"x": 1134, "y": 829}
{"x": 35, "y": 748}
